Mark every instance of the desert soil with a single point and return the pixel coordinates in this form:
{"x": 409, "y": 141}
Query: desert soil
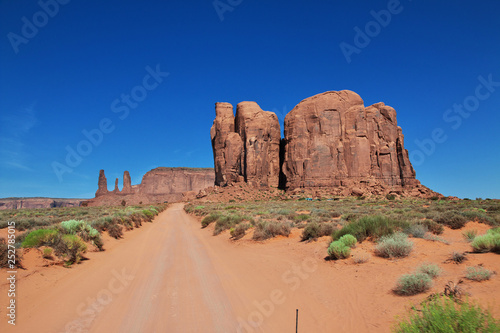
{"x": 173, "y": 276}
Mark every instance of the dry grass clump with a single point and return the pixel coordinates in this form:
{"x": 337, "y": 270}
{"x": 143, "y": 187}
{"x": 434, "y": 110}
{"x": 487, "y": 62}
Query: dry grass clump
{"x": 394, "y": 246}
{"x": 361, "y": 258}
{"x": 239, "y": 230}
{"x": 457, "y": 257}
{"x": 478, "y": 273}
{"x": 430, "y": 269}
{"x": 412, "y": 284}
{"x": 313, "y": 230}
{"x": 469, "y": 235}
{"x": 268, "y": 229}
{"x": 452, "y": 219}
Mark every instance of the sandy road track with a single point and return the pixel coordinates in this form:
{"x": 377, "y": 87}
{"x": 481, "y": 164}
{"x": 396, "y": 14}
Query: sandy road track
{"x": 173, "y": 276}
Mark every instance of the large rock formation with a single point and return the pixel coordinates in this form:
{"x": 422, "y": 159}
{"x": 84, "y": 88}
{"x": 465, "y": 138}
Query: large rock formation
{"x": 227, "y": 146}
{"x": 158, "y": 185}
{"x": 176, "y": 180}
{"x": 116, "y": 190}
{"x": 246, "y": 147}
{"x": 331, "y": 139}
{"x": 127, "y": 184}
{"x": 102, "y": 184}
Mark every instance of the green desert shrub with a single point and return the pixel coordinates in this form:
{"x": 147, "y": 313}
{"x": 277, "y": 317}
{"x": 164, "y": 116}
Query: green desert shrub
{"x": 311, "y": 231}
{"x": 452, "y": 219}
{"x": 412, "y": 284}
{"x": 4, "y": 255}
{"x": 265, "y": 229}
{"x": 226, "y": 222}
{"x": 314, "y": 230}
{"x": 430, "y": 269}
{"x": 40, "y": 237}
{"x": 72, "y": 226}
{"x": 301, "y": 217}
{"x": 348, "y": 240}
{"x": 115, "y": 231}
{"x": 478, "y": 215}
{"x": 433, "y": 226}
{"x": 70, "y": 247}
{"x": 395, "y": 245}
{"x": 338, "y": 250}
{"x": 148, "y": 213}
{"x": 478, "y": 273}
{"x": 469, "y": 235}
{"x": 83, "y": 229}
{"x": 443, "y": 315}
{"x": 416, "y": 230}
{"x": 239, "y": 230}
{"x": 47, "y": 253}
{"x": 374, "y": 226}
{"x": 490, "y": 242}
{"x": 102, "y": 223}
{"x": 212, "y": 217}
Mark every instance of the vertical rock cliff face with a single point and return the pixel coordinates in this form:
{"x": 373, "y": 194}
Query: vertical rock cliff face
{"x": 102, "y": 184}
{"x": 127, "y": 184}
{"x": 116, "y": 190}
{"x": 331, "y": 139}
{"x": 227, "y": 146}
{"x": 176, "y": 180}
{"x": 246, "y": 147}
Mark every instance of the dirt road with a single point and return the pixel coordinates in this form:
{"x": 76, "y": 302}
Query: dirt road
{"x": 173, "y": 276}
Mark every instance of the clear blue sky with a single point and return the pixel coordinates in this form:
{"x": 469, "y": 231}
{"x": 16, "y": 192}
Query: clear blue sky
{"x": 74, "y": 70}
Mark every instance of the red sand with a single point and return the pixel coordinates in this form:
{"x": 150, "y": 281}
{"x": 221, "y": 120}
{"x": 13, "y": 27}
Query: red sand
{"x": 172, "y": 276}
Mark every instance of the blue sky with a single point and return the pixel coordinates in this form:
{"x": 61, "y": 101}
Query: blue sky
{"x": 70, "y": 72}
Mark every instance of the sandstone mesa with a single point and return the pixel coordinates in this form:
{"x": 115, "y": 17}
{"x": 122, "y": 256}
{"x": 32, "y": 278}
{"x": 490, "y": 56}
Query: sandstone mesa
{"x": 331, "y": 141}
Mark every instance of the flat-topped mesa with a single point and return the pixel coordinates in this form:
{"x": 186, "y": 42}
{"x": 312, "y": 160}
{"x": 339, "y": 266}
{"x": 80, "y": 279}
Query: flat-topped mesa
{"x": 245, "y": 147}
{"x": 102, "y": 184}
{"x": 163, "y": 180}
{"x": 332, "y": 140}
{"x": 158, "y": 185}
